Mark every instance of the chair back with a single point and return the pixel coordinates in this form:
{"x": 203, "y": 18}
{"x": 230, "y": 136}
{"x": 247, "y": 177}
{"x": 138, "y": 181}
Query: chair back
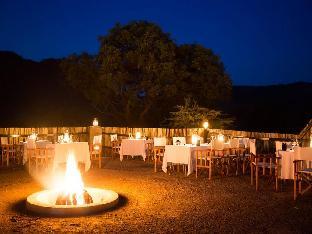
{"x": 97, "y": 140}
{"x": 245, "y": 142}
{"x": 203, "y": 157}
{"x": 252, "y": 145}
{"x": 4, "y": 141}
{"x": 179, "y": 140}
{"x": 42, "y": 143}
{"x": 160, "y": 141}
{"x": 234, "y": 143}
{"x": 217, "y": 145}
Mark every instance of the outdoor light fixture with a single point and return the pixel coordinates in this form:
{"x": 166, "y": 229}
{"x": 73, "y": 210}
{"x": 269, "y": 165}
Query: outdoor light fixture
{"x": 96, "y": 147}
{"x": 67, "y": 138}
{"x": 15, "y": 135}
{"x": 194, "y": 139}
{"x": 220, "y": 137}
{"x": 95, "y": 122}
{"x": 33, "y": 136}
{"x": 137, "y": 135}
{"x": 205, "y": 124}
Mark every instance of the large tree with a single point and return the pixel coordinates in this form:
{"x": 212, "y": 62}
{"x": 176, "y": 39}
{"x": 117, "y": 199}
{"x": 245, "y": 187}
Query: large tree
{"x": 140, "y": 75}
{"x": 202, "y": 75}
{"x": 137, "y": 65}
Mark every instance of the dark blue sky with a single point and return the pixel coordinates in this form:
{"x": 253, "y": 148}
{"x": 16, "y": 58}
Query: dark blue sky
{"x": 260, "y": 42}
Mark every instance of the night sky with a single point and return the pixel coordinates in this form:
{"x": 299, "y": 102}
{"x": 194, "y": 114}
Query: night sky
{"x": 260, "y": 42}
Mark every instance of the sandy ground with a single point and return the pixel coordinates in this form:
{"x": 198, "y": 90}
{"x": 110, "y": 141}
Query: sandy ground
{"x": 157, "y": 202}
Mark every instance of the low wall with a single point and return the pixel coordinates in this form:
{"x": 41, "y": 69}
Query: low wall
{"x": 82, "y": 133}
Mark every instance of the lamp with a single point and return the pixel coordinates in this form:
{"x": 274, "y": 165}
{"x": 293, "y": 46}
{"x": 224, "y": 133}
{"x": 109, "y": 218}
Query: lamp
{"x": 137, "y": 135}
{"x": 95, "y": 122}
{"x": 205, "y": 125}
{"x": 194, "y": 139}
{"x": 96, "y": 147}
{"x": 220, "y": 137}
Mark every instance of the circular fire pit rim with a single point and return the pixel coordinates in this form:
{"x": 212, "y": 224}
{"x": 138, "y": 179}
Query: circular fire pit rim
{"x": 33, "y": 205}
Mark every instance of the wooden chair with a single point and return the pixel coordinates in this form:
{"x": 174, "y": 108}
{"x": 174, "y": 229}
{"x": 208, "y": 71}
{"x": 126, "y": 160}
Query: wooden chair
{"x": 96, "y": 150}
{"x": 115, "y": 144}
{"x": 8, "y": 153}
{"x": 159, "y": 152}
{"x": 39, "y": 158}
{"x": 204, "y": 161}
{"x": 96, "y": 154}
{"x": 149, "y": 146}
{"x": 268, "y": 162}
{"x": 11, "y": 151}
{"x": 221, "y": 156}
{"x": 302, "y": 174}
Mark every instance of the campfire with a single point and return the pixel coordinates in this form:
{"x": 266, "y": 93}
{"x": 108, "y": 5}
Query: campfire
{"x": 70, "y": 197}
{"x": 72, "y": 190}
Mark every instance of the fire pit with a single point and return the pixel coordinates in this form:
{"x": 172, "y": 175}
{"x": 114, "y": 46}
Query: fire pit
{"x": 71, "y": 198}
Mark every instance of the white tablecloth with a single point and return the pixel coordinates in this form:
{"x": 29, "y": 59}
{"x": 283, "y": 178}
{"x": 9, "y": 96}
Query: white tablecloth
{"x": 133, "y": 147}
{"x": 227, "y": 145}
{"x": 288, "y": 157}
{"x": 182, "y": 154}
{"x": 287, "y": 164}
{"x": 79, "y": 149}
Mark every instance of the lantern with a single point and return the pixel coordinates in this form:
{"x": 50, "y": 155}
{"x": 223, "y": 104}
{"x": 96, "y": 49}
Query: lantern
{"x": 220, "y": 137}
{"x": 95, "y": 122}
{"x": 194, "y": 139}
{"x": 137, "y": 135}
{"x": 205, "y": 124}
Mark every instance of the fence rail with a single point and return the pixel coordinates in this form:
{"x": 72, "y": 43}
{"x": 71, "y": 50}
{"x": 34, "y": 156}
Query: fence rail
{"x": 82, "y": 133}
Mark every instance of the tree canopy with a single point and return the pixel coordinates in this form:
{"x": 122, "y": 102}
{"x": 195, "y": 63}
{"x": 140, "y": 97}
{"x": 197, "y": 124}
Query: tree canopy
{"x": 140, "y": 74}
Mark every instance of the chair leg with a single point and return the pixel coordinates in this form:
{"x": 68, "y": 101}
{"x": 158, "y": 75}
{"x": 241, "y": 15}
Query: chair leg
{"x": 257, "y": 178}
{"x": 295, "y": 187}
{"x": 210, "y": 170}
{"x": 237, "y": 166}
{"x": 300, "y": 184}
{"x": 276, "y": 182}
{"x": 251, "y": 173}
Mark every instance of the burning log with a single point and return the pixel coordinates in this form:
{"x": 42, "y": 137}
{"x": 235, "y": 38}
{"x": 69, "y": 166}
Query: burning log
{"x": 71, "y": 199}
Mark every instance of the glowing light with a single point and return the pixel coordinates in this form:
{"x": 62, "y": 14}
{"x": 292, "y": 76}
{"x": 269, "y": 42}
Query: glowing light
{"x": 137, "y": 135}
{"x": 206, "y": 125}
{"x": 72, "y": 183}
{"x": 220, "y": 137}
{"x": 66, "y": 138}
{"x": 96, "y": 147}
{"x": 95, "y": 122}
{"x": 194, "y": 139}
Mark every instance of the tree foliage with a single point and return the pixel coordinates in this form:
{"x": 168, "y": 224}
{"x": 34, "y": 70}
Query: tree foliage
{"x": 191, "y": 115}
{"x": 140, "y": 75}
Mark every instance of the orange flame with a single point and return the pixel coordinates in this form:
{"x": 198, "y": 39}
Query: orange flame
{"x": 72, "y": 183}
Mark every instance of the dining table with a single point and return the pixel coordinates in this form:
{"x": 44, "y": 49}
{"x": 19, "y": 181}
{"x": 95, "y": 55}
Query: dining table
{"x": 60, "y": 152}
{"x": 133, "y": 147}
{"x": 288, "y": 157}
{"x": 182, "y": 154}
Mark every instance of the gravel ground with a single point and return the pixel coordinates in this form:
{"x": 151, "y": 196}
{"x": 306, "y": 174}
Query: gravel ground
{"x": 157, "y": 202}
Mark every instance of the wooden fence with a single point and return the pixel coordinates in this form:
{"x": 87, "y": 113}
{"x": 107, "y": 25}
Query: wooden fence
{"x": 82, "y": 133}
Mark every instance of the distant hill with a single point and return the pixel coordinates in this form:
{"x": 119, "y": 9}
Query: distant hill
{"x": 275, "y": 108}
{"x": 35, "y": 94}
